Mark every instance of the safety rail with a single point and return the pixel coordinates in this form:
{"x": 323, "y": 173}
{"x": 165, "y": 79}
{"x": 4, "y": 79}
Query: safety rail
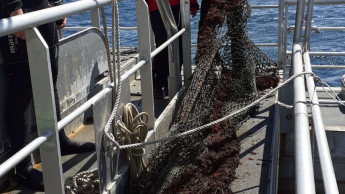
{"x": 47, "y": 124}
{"x": 287, "y": 29}
{"x": 38, "y": 55}
{"x": 303, "y": 158}
{"x": 48, "y": 130}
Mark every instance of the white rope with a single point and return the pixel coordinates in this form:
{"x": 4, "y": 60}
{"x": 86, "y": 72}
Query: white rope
{"x": 109, "y": 136}
{"x": 81, "y": 183}
{"x": 219, "y": 120}
{"x": 105, "y": 28}
{"x": 285, "y": 105}
{"x": 335, "y": 97}
{"x": 134, "y": 129}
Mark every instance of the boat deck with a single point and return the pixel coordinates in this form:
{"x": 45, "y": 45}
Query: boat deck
{"x": 255, "y": 134}
{"x": 252, "y": 174}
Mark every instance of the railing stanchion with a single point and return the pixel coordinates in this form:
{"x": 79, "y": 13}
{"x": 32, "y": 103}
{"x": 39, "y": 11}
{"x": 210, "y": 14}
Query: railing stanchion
{"x": 44, "y": 101}
{"x": 144, "y": 45}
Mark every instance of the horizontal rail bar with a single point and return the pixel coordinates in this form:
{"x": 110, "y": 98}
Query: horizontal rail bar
{"x": 109, "y": 28}
{"x": 264, "y": 6}
{"x": 80, "y": 110}
{"x": 331, "y": 28}
{"x": 266, "y": 44}
{"x": 170, "y": 40}
{"x": 319, "y": 29}
{"x": 133, "y": 70}
{"x": 317, "y": 2}
{"x": 335, "y": 89}
{"x": 153, "y": 54}
{"x": 325, "y": 66}
{"x": 257, "y": 44}
{"x": 322, "y": 53}
{"x": 323, "y": 101}
{"x": 327, "y": 53}
{"x": 328, "y": 66}
{"x": 28, "y": 20}
{"x": 23, "y": 153}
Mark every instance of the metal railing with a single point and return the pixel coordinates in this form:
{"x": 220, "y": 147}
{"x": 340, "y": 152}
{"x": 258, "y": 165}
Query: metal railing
{"x": 286, "y": 29}
{"x": 303, "y": 157}
{"x": 47, "y": 124}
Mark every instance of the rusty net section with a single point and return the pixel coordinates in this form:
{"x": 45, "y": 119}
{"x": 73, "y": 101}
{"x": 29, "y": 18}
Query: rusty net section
{"x": 228, "y": 68}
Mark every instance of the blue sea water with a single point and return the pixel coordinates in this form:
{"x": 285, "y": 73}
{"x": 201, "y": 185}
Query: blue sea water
{"x": 262, "y": 28}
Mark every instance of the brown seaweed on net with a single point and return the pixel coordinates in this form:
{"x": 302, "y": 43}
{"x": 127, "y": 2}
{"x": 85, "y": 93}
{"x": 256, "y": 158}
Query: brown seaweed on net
{"x": 228, "y": 64}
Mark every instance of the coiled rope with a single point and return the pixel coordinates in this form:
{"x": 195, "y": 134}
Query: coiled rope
{"x": 134, "y": 130}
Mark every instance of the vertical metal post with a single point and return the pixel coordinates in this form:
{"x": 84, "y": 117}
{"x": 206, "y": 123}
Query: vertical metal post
{"x": 44, "y": 101}
{"x": 174, "y": 79}
{"x": 307, "y": 32}
{"x": 186, "y": 39}
{"x": 144, "y": 44}
{"x": 280, "y": 31}
{"x": 95, "y": 18}
{"x": 285, "y": 39}
{"x": 299, "y": 21}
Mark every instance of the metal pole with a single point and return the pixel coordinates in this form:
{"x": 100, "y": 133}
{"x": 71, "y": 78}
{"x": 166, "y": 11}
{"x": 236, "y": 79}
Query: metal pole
{"x": 285, "y": 41}
{"x": 28, "y": 20}
{"x": 23, "y": 153}
{"x": 170, "y": 40}
{"x": 299, "y": 22}
{"x": 186, "y": 39}
{"x": 303, "y": 158}
{"x": 44, "y": 101}
{"x": 307, "y": 32}
{"x": 319, "y": 2}
{"x": 144, "y": 45}
{"x": 280, "y": 31}
{"x": 95, "y": 18}
{"x": 329, "y": 180}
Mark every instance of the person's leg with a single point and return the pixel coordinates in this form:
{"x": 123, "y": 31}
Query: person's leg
{"x": 160, "y": 64}
{"x": 67, "y": 145}
{"x": 19, "y": 109}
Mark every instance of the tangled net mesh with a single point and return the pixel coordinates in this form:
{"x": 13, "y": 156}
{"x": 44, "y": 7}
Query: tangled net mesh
{"x": 229, "y": 71}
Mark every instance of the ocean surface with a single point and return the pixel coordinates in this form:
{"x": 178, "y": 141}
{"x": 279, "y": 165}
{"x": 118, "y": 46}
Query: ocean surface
{"x": 262, "y": 28}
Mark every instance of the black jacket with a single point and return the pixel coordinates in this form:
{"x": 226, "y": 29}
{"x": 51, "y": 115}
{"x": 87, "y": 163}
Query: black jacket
{"x": 48, "y": 30}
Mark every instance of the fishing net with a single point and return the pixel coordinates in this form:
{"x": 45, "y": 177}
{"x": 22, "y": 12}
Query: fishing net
{"x": 229, "y": 71}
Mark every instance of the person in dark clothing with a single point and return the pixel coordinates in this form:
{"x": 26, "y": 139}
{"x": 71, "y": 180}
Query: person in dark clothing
{"x": 160, "y": 64}
{"x": 20, "y": 115}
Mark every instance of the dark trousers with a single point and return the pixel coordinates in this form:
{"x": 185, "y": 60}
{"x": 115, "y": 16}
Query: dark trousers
{"x": 20, "y": 114}
{"x": 160, "y": 64}
{"x": 19, "y": 108}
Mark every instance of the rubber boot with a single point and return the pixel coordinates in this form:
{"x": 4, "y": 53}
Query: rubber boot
{"x": 29, "y": 176}
{"x": 69, "y": 146}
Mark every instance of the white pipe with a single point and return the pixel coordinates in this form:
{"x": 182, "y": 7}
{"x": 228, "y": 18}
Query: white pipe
{"x": 329, "y": 180}
{"x": 303, "y": 158}
{"x": 23, "y": 153}
{"x": 32, "y": 19}
{"x": 170, "y": 40}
